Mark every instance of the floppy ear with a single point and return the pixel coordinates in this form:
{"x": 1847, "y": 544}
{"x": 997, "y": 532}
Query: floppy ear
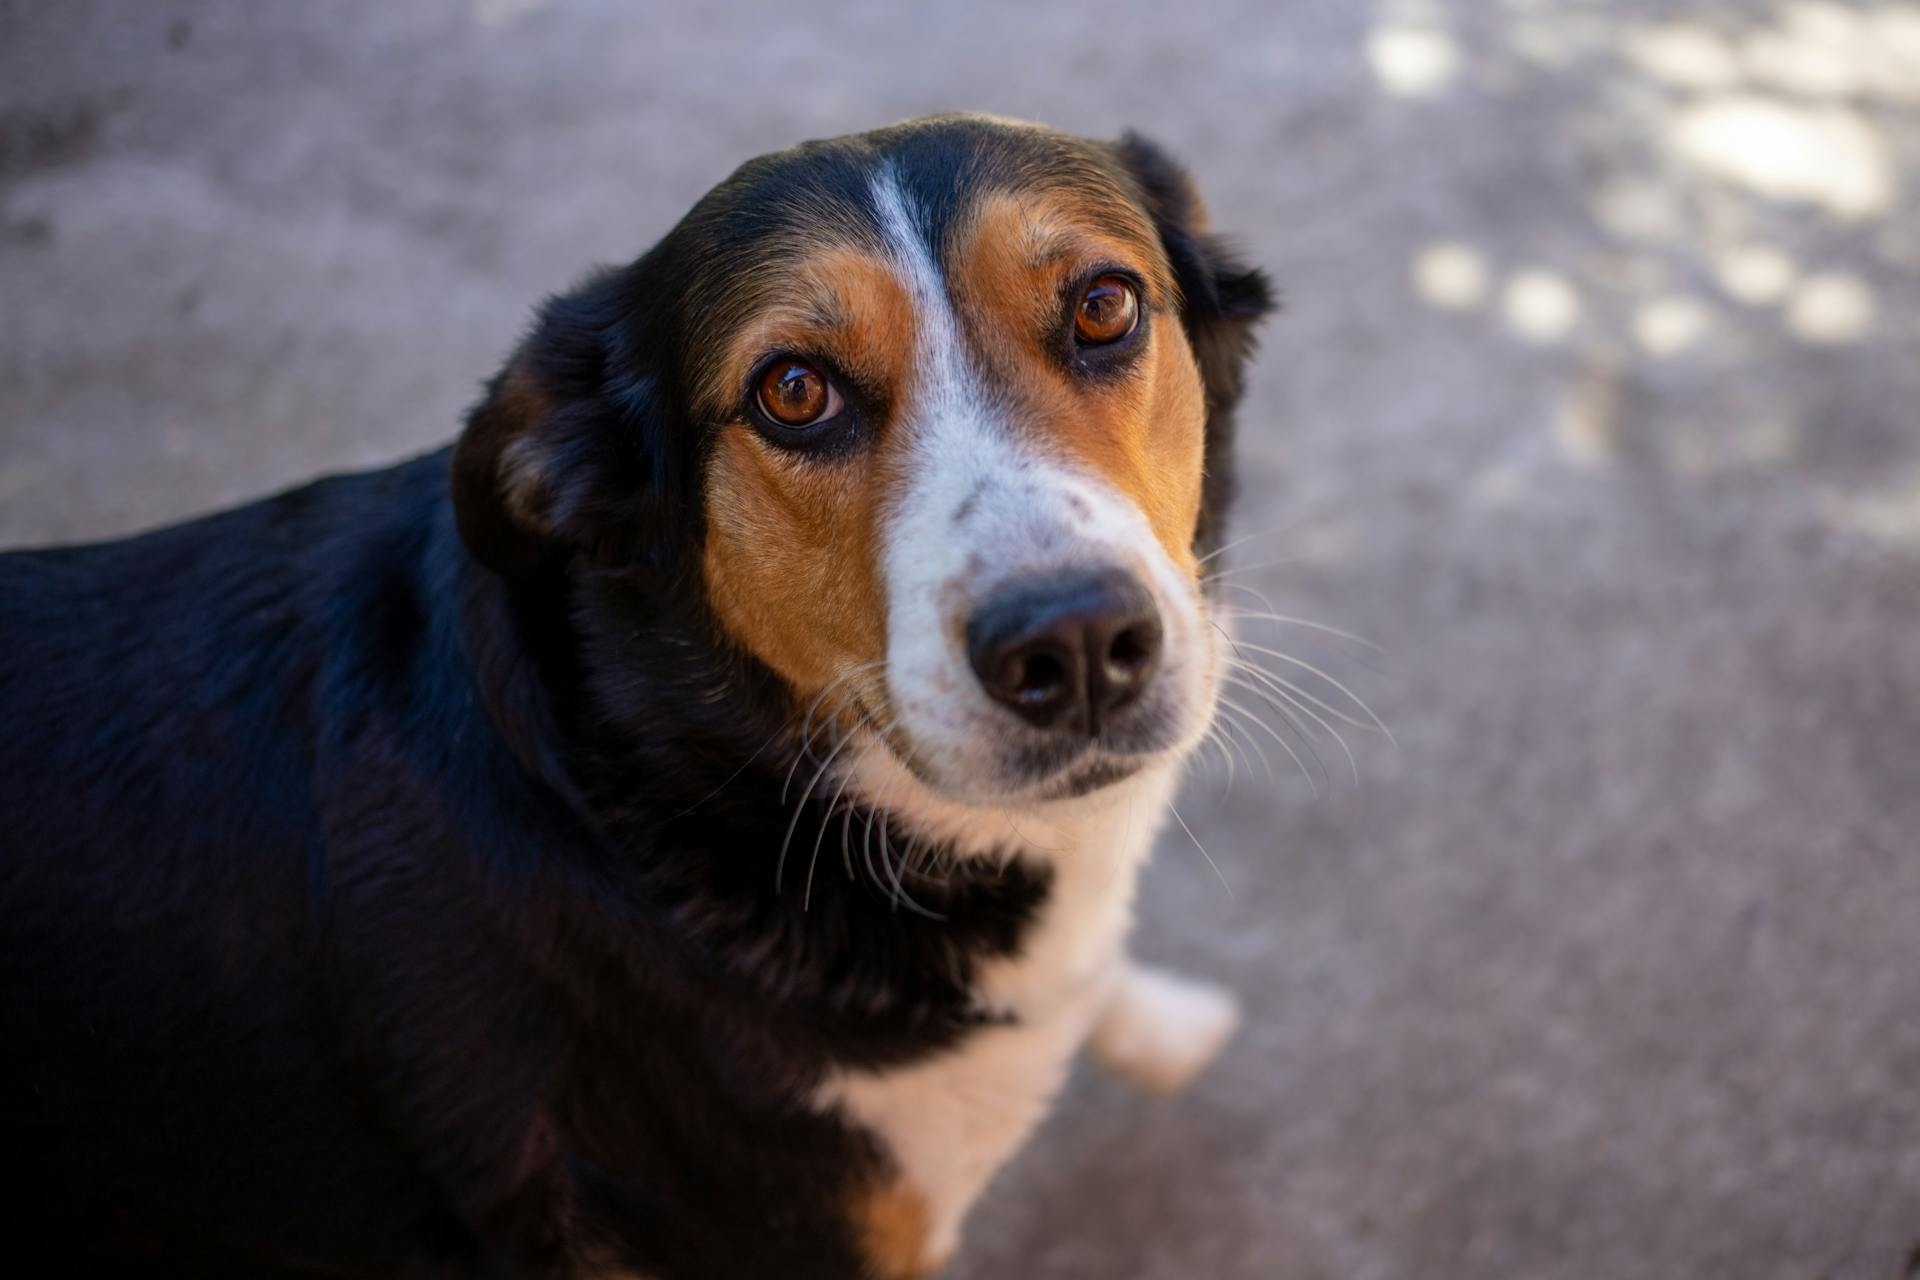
{"x": 566, "y": 456}
{"x": 1222, "y": 301}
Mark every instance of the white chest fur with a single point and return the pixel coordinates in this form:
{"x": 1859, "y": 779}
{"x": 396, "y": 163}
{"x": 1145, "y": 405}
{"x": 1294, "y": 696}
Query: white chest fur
{"x": 951, "y": 1122}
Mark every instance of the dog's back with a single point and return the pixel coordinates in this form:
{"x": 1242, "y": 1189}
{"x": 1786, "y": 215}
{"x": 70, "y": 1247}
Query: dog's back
{"x": 169, "y": 707}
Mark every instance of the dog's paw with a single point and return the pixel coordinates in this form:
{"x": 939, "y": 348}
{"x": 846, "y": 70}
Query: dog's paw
{"x": 1161, "y": 1030}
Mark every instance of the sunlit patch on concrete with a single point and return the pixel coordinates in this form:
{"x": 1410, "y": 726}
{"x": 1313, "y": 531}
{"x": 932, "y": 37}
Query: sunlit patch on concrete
{"x": 1686, "y": 55}
{"x": 1586, "y": 426}
{"x": 1756, "y": 274}
{"x": 1668, "y": 326}
{"x": 1636, "y": 208}
{"x": 1452, "y": 277}
{"x": 1830, "y": 309}
{"x": 1893, "y": 51}
{"x": 1412, "y": 61}
{"x": 1827, "y": 50}
{"x": 1889, "y": 515}
{"x": 1541, "y": 306}
{"x": 1818, "y": 52}
{"x": 1828, "y": 156}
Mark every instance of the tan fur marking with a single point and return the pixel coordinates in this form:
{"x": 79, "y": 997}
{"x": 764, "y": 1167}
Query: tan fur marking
{"x": 793, "y": 554}
{"x": 837, "y": 300}
{"x": 895, "y": 1228}
{"x": 1144, "y": 433}
{"x": 792, "y": 559}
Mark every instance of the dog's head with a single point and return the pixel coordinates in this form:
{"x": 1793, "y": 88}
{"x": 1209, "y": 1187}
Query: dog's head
{"x": 936, "y": 418}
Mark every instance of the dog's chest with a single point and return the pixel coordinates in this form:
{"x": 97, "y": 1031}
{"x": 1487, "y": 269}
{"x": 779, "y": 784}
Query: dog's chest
{"x": 950, "y": 1122}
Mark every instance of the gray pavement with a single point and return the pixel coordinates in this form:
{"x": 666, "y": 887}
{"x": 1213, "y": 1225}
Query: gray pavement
{"x": 1596, "y": 406}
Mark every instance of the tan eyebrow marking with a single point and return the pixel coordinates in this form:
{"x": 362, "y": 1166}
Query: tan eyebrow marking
{"x": 793, "y": 546}
{"x": 837, "y": 299}
{"x": 1145, "y": 433}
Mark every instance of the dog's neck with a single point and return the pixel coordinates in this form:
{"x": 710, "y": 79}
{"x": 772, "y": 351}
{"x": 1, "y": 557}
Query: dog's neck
{"x": 1093, "y": 847}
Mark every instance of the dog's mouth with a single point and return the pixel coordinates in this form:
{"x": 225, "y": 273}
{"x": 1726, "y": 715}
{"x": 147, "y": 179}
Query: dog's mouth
{"x": 1085, "y": 779}
{"x": 1019, "y": 769}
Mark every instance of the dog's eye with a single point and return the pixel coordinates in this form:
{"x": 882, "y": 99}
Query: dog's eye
{"x": 794, "y": 394}
{"x": 1107, "y": 312}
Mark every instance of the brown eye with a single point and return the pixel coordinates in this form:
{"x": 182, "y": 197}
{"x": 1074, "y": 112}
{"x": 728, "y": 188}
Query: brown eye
{"x": 796, "y": 395}
{"x": 1107, "y": 313}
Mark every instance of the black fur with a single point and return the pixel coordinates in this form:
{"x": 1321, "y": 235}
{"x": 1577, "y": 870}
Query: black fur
{"x": 387, "y": 876}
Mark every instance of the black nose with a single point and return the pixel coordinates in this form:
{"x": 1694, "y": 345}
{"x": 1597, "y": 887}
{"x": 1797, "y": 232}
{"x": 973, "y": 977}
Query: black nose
{"x": 1065, "y": 653}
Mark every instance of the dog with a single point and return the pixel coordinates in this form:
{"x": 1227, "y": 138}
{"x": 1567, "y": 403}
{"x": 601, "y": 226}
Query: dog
{"x": 687, "y": 828}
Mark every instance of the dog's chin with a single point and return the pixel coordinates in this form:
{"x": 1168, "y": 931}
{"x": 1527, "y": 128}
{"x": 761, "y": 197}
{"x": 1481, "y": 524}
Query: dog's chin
{"x": 997, "y": 777}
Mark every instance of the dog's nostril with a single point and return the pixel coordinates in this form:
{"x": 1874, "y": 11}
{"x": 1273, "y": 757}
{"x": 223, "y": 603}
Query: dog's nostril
{"x": 1132, "y": 650}
{"x": 1041, "y": 679}
{"x": 1064, "y": 653}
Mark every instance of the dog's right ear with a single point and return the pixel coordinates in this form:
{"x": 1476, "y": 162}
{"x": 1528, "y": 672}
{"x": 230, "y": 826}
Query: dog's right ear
{"x": 565, "y": 457}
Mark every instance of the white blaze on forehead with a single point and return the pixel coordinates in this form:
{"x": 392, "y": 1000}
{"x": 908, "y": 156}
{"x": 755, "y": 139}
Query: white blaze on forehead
{"x": 980, "y": 504}
{"x": 944, "y": 383}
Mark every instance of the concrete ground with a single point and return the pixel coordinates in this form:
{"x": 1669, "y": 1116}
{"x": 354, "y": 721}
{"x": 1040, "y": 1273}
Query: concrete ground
{"x": 1596, "y": 406}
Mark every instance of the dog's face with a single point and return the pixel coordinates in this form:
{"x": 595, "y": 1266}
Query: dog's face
{"x": 940, "y": 411}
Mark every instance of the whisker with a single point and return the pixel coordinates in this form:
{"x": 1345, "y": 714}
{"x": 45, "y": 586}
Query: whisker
{"x": 1292, "y": 722}
{"x": 877, "y": 811}
{"x": 806, "y": 734}
{"x": 1244, "y": 590}
{"x": 1202, "y": 848}
{"x": 1028, "y": 840}
{"x": 920, "y": 846}
{"x": 1292, "y": 621}
{"x": 898, "y": 894}
{"x": 1378, "y": 724}
{"x": 846, "y": 838}
{"x": 771, "y": 739}
{"x": 1273, "y": 733}
{"x": 901, "y": 897}
{"x": 733, "y": 777}
{"x": 800, "y": 807}
{"x": 1225, "y": 575}
{"x": 866, "y": 847}
{"x": 1237, "y": 735}
{"x": 833, "y": 807}
{"x": 1212, "y": 739}
{"x": 1238, "y": 683}
{"x": 1242, "y": 541}
{"x": 1303, "y": 699}
{"x": 1296, "y": 694}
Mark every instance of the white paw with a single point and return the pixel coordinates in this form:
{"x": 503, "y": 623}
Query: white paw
{"x": 1161, "y": 1030}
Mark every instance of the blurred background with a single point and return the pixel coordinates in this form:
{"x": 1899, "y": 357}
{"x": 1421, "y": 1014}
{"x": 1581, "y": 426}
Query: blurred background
{"x": 1596, "y": 405}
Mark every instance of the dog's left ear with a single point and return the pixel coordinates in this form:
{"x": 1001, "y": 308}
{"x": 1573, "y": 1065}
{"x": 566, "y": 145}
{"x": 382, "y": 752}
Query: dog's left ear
{"x": 1222, "y": 302}
{"x": 567, "y": 458}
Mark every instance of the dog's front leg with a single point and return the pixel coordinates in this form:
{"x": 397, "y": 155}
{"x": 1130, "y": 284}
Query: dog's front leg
{"x": 1160, "y": 1030}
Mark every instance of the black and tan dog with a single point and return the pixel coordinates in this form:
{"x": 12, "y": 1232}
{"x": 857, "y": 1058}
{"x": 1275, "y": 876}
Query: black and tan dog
{"x": 685, "y": 831}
